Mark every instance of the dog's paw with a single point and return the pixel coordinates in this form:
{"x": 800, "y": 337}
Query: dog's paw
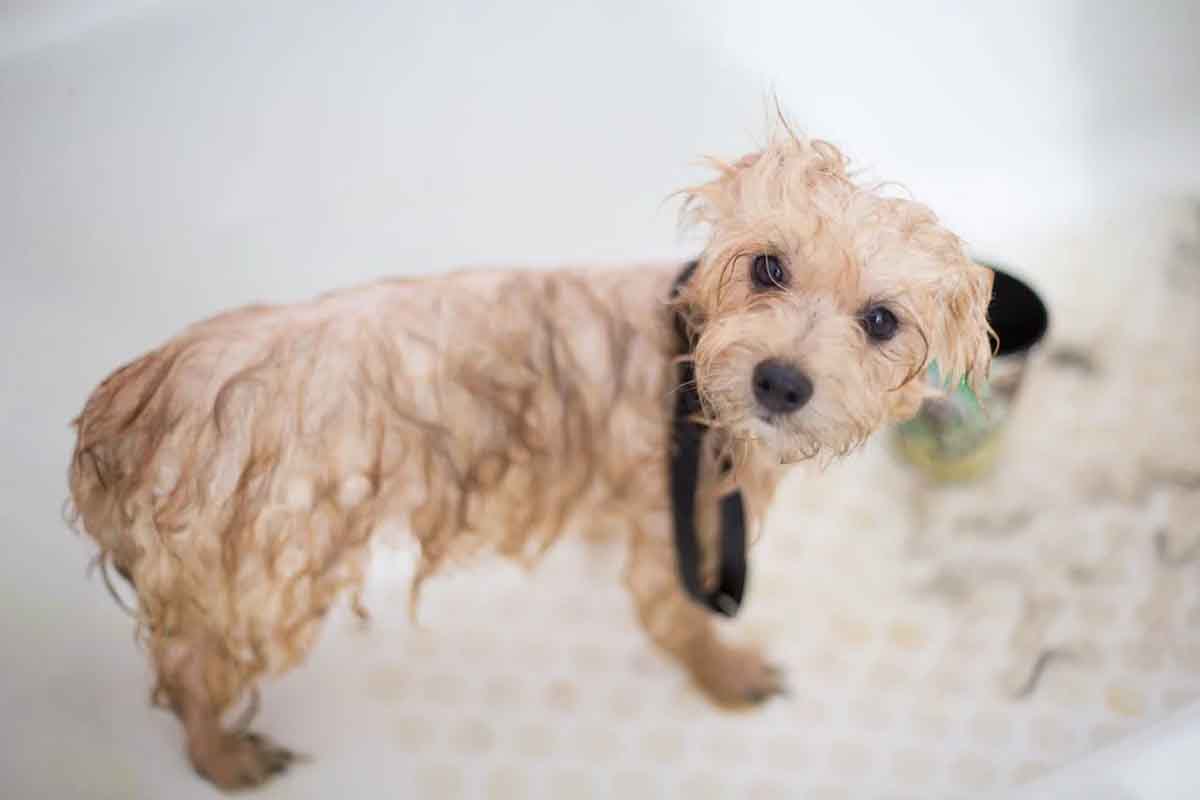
{"x": 241, "y": 760}
{"x": 737, "y": 677}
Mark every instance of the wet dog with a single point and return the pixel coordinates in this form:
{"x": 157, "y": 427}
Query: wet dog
{"x": 236, "y": 474}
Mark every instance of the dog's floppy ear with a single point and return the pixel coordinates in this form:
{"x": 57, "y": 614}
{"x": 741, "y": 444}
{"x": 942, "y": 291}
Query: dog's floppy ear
{"x": 958, "y": 332}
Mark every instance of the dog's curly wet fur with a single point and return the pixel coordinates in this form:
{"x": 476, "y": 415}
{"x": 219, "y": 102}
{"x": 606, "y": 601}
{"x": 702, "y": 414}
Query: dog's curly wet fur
{"x": 236, "y": 474}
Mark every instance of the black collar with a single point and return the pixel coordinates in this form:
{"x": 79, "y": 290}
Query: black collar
{"x": 687, "y": 436}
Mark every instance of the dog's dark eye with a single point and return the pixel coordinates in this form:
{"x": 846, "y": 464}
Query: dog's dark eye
{"x": 879, "y": 323}
{"x": 767, "y": 272}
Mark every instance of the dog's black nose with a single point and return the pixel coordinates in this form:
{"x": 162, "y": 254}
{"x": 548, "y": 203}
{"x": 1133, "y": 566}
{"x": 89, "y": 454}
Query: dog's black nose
{"x": 780, "y": 387}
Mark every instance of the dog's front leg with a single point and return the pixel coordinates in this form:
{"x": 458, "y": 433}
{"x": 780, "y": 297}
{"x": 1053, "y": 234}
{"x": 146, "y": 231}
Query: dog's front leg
{"x": 732, "y": 676}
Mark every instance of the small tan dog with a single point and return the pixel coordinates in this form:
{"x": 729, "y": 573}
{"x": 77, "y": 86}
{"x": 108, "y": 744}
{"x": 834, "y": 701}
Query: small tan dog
{"x": 236, "y": 474}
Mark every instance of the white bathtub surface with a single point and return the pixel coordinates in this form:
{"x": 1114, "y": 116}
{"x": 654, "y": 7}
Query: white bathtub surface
{"x": 161, "y": 161}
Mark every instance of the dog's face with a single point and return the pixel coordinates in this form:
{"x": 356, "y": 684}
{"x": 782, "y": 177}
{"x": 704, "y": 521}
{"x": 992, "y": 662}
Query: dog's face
{"x": 820, "y": 304}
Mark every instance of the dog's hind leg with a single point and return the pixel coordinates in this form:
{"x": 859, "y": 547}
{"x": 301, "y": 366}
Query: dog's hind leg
{"x": 732, "y": 676}
{"x": 198, "y": 681}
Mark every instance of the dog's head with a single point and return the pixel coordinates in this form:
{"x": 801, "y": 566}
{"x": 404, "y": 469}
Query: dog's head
{"x": 819, "y": 304}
